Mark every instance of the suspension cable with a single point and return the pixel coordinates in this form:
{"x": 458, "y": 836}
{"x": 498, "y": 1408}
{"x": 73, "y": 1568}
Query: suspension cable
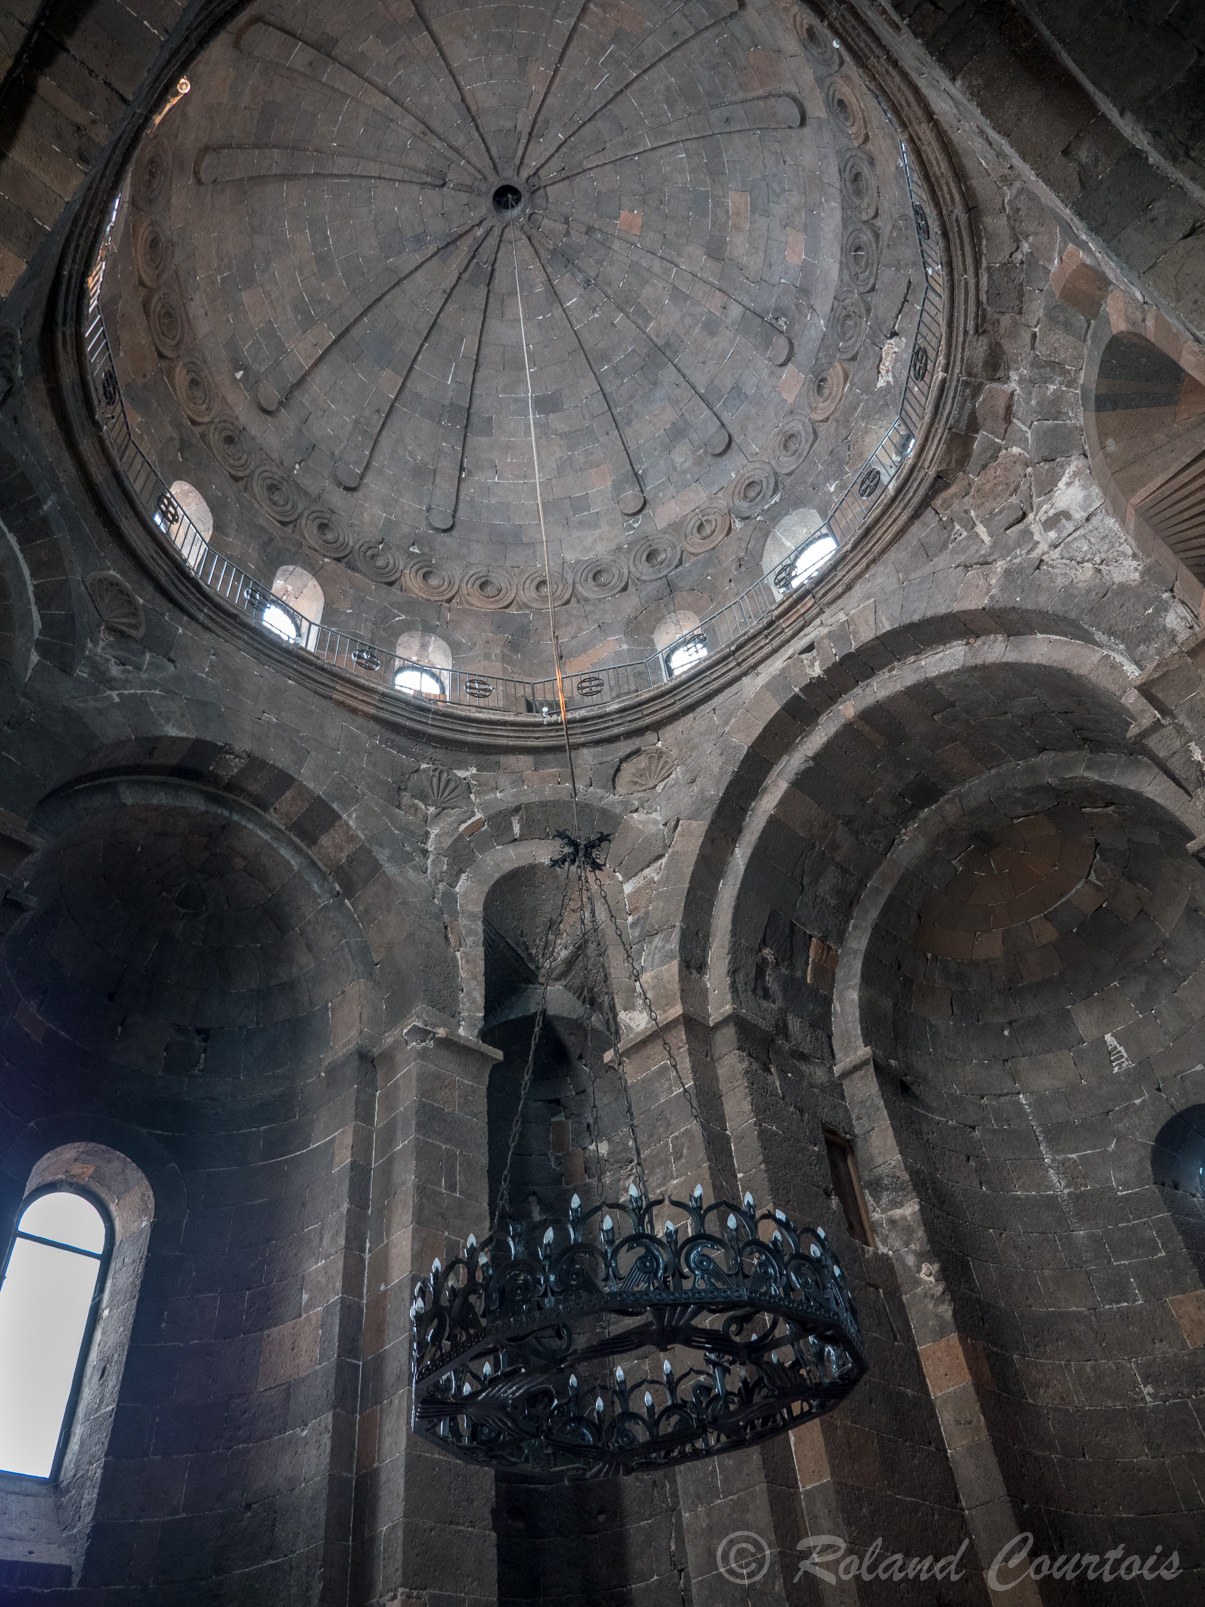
{"x": 535, "y": 459}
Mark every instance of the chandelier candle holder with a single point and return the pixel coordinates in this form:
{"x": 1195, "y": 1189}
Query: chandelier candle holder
{"x": 600, "y": 1343}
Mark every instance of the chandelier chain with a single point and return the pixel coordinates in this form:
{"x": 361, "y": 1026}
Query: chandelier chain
{"x": 616, "y": 1031}
{"x": 502, "y": 1207}
{"x": 592, "y": 992}
{"x": 642, "y": 991}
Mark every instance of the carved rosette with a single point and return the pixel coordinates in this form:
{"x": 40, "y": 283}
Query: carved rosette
{"x": 325, "y": 533}
{"x": 194, "y": 389}
{"x": 232, "y": 449}
{"x": 816, "y": 40}
{"x": 849, "y": 322}
{"x": 596, "y": 578}
{"x": 861, "y": 254}
{"x": 430, "y": 579}
{"x": 656, "y": 556}
{"x": 706, "y": 527}
{"x": 275, "y": 493}
{"x": 860, "y": 183}
{"x": 752, "y": 489}
{"x": 166, "y": 320}
{"x": 151, "y": 250}
{"x": 378, "y": 561}
{"x": 485, "y": 588}
{"x": 790, "y": 444}
{"x": 533, "y": 590}
{"x": 150, "y": 177}
{"x": 824, "y": 391}
{"x": 845, "y": 109}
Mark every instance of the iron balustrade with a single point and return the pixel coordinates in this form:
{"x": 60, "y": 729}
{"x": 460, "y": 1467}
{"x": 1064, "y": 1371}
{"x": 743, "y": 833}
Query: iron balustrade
{"x": 594, "y": 688}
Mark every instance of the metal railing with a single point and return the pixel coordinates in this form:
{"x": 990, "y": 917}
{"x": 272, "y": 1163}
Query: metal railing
{"x": 481, "y": 689}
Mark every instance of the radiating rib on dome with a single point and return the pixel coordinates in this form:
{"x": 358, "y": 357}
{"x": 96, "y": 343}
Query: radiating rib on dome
{"x": 309, "y": 347}
{"x": 373, "y": 412}
{"x": 670, "y": 35}
{"x": 226, "y": 164}
{"x": 773, "y": 343}
{"x": 762, "y": 114}
{"x": 627, "y": 481}
{"x": 568, "y": 17}
{"x": 706, "y": 427}
{"x": 454, "y": 417}
{"x": 291, "y": 53}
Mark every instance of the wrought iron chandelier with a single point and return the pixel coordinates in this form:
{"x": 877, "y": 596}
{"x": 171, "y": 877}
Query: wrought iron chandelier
{"x": 598, "y": 1342}
{"x": 595, "y": 1343}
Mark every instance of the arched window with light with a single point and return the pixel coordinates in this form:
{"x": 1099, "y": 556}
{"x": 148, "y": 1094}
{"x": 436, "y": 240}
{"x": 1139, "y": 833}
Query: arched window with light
{"x": 421, "y": 659}
{"x": 294, "y": 610}
{"x": 188, "y": 519}
{"x": 790, "y": 559}
{"x": 53, "y": 1284}
{"x": 682, "y": 642}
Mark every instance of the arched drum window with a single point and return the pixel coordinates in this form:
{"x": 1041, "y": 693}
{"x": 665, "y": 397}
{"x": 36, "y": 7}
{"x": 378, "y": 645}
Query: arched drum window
{"x": 294, "y": 610}
{"x": 53, "y": 1281}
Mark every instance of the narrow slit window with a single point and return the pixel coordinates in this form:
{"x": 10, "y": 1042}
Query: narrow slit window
{"x": 847, "y": 1186}
{"x": 53, "y": 1279}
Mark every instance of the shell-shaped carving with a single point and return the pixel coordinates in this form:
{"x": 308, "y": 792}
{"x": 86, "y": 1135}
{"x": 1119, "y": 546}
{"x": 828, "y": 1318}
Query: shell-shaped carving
{"x": 325, "y": 533}
{"x": 379, "y": 561}
{"x": 706, "y": 527}
{"x": 848, "y": 322}
{"x": 116, "y": 604}
{"x": 597, "y": 578}
{"x": 150, "y": 176}
{"x": 817, "y": 41}
{"x": 275, "y": 493}
{"x": 485, "y": 588}
{"x": 439, "y": 789}
{"x": 860, "y": 183}
{"x": 824, "y": 391}
{"x": 151, "y": 250}
{"x": 194, "y": 389}
{"x": 845, "y": 109}
{"x": 642, "y": 771}
{"x": 753, "y": 487}
{"x": 861, "y": 254}
{"x": 655, "y": 556}
{"x": 167, "y": 322}
{"x": 533, "y": 590}
{"x": 790, "y": 444}
{"x": 232, "y": 449}
{"x": 430, "y": 578}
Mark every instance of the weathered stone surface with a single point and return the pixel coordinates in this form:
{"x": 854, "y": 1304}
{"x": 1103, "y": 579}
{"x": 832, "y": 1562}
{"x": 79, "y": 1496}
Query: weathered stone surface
{"x": 918, "y": 868}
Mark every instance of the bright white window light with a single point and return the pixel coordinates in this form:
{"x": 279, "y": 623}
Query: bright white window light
{"x": 685, "y": 654}
{"x": 419, "y": 682}
{"x": 280, "y": 622}
{"x": 812, "y": 559}
{"x": 45, "y": 1302}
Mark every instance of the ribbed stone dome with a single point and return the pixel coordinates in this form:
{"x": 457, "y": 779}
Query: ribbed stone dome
{"x": 694, "y": 215}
